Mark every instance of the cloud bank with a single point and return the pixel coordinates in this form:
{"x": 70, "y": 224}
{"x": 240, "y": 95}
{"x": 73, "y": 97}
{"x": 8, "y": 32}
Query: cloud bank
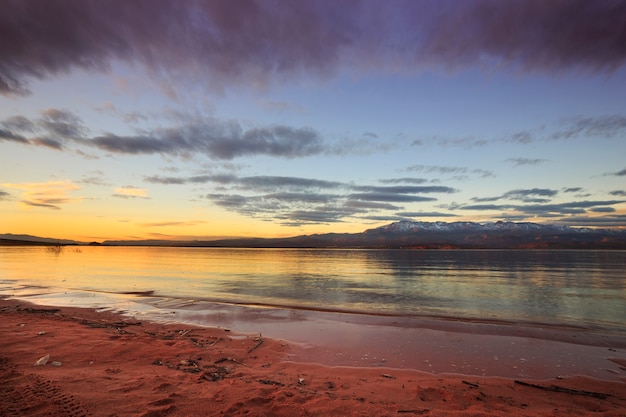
{"x": 215, "y": 138}
{"x": 255, "y": 42}
{"x": 295, "y": 201}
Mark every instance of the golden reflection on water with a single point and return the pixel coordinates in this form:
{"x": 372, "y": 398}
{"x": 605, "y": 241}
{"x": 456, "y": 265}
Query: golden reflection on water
{"x": 533, "y": 285}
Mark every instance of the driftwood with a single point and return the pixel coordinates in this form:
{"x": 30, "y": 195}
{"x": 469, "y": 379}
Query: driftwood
{"x": 270, "y": 382}
{"x": 418, "y": 412}
{"x": 231, "y": 360}
{"x": 555, "y": 388}
{"x": 258, "y": 343}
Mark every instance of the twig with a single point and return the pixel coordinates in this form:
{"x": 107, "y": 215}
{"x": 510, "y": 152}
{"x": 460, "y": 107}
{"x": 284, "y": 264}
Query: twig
{"x": 231, "y": 360}
{"x": 555, "y": 388}
{"x": 270, "y": 382}
{"x": 256, "y": 345}
{"x": 471, "y": 384}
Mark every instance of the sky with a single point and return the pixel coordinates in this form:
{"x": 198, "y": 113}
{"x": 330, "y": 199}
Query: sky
{"x": 154, "y": 119}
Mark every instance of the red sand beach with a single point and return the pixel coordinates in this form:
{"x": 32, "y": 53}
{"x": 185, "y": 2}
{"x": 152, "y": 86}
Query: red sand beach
{"x": 104, "y": 364}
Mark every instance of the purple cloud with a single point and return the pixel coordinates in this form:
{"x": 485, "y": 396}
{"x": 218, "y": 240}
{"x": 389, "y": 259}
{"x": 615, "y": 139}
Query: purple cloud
{"x": 253, "y": 42}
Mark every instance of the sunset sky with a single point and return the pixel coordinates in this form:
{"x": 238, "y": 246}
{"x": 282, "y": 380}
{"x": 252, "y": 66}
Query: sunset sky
{"x": 200, "y": 119}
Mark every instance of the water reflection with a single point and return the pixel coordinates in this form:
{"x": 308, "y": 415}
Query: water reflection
{"x": 579, "y": 286}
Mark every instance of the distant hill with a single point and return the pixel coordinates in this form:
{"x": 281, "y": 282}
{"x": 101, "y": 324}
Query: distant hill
{"x": 403, "y": 234}
{"x": 434, "y": 235}
{"x": 23, "y": 240}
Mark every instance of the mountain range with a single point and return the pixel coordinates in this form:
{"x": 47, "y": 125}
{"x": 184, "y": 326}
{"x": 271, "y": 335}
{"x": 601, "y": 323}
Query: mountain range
{"x": 404, "y": 234}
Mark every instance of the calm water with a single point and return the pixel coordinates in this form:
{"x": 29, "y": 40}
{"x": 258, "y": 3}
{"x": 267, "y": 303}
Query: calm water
{"x": 574, "y": 287}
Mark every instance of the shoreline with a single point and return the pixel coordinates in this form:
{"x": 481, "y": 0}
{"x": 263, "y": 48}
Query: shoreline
{"x": 112, "y": 364}
{"x": 493, "y": 348}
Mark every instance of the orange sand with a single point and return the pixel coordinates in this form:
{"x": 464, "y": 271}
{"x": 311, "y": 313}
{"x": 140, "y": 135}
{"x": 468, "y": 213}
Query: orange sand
{"x": 103, "y": 364}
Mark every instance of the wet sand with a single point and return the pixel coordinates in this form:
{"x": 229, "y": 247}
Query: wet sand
{"x": 106, "y": 364}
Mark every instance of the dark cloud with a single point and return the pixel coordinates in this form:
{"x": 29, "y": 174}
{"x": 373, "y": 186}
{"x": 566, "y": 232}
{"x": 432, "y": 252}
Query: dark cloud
{"x": 42, "y": 205}
{"x": 467, "y": 142}
{"x": 321, "y": 215}
{"x": 210, "y": 137}
{"x": 96, "y": 179}
{"x": 129, "y": 196}
{"x": 390, "y": 197}
{"x": 405, "y": 180}
{"x": 19, "y": 123}
{"x": 532, "y": 195}
{"x": 532, "y": 35}
{"x": 572, "y": 190}
{"x": 525, "y": 161}
{"x": 620, "y": 173}
{"x": 543, "y": 210}
{"x": 419, "y": 214}
{"x": 450, "y": 170}
{"x": 229, "y": 201}
{"x": 11, "y": 127}
{"x": 47, "y": 202}
{"x": 608, "y": 127}
{"x": 602, "y": 210}
{"x": 157, "y": 179}
{"x": 253, "y": 43}
{"x": 590, "y": 127}
{"x": 618, "y": 193}
{"x": 273, "y": 182}
{"x": 257, "y": 183}
{"x": 11, "y": 136}
{"x": 134, "y": 144}
{"x": 62, "y": 123}
{"x": 405, "y": 189}
{"x": 300, "y": 197}
{"x": 297, "y": 201}
{"x": 48, "y": 143}
{"x": 56, "y": 126}
{"x": 522, "y": 137}
{"x": 4, "y": 195}
{"x": 291, "y": 209}
{"x": 617, "y": 221}
{"x": 358, "y": 204}
{"x": 217, "y": 140}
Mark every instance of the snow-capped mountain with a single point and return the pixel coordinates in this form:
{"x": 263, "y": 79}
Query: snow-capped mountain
{"x": 454, "y": 235}
{"x": 493, "y": 235}
{"x": 413, "y": 235}
{"x": 409, "y": 226}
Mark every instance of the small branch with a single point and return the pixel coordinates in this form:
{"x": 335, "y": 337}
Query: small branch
{"x": 555, "y": 388}
{"x": 231, "y": 360}
{"x": 418, "y": 412}
{"x": 270, "y": 382}
{"x": 471, "y": 384}
{"x": 258, "y": 343}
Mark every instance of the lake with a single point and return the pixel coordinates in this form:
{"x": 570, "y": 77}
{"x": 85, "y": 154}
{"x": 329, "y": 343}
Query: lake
{"x": 579, "y": 288}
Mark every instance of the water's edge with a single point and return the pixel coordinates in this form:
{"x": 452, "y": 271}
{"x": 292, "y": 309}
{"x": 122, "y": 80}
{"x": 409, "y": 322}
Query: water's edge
{"x": 428, "y": 344}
